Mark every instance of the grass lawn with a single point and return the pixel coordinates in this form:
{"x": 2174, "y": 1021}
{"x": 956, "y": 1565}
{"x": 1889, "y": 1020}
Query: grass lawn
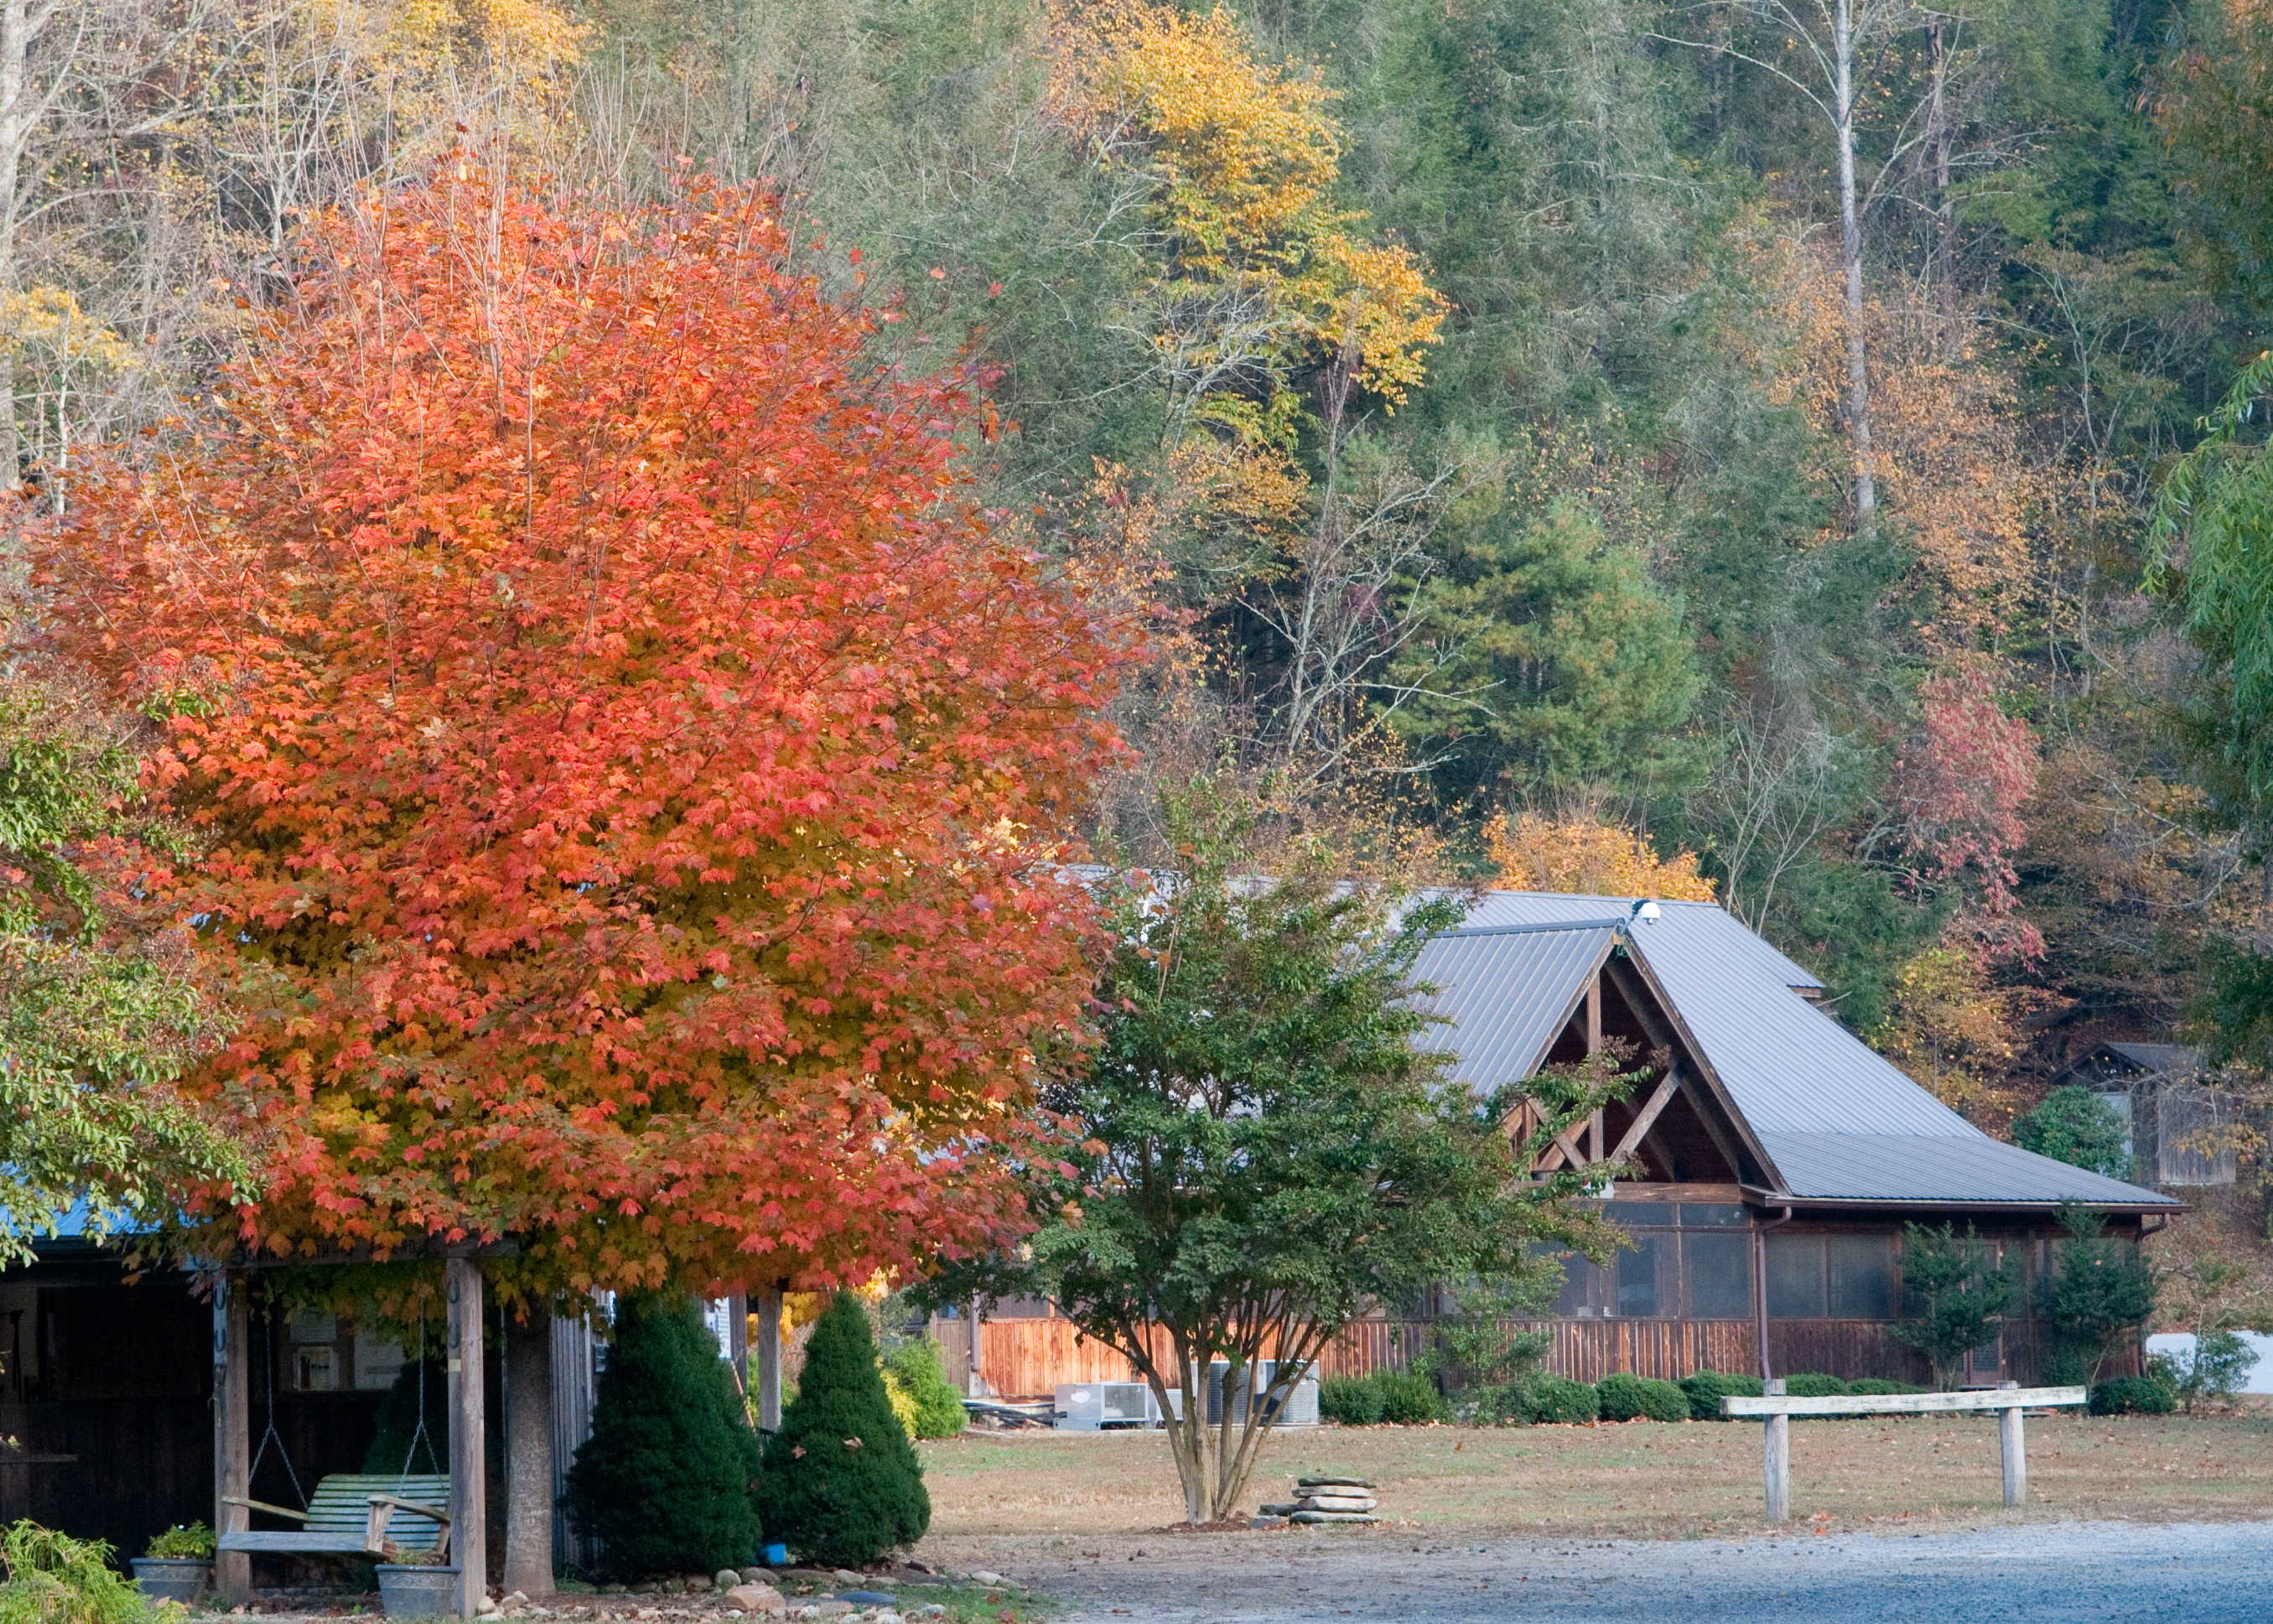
{"x": 1643, "y": 1479}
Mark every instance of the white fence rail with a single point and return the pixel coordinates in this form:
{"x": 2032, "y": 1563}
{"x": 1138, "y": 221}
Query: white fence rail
{"x": 1778, "y": 1409}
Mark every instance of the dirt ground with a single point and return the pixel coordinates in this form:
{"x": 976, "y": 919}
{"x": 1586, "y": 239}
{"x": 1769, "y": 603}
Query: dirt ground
{"x": 1895, "y": 1521}
{"x": 1640, "y": 1480}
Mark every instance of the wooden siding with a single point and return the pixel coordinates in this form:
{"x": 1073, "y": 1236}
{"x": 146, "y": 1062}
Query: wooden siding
{"x": 1028, "y": 1359}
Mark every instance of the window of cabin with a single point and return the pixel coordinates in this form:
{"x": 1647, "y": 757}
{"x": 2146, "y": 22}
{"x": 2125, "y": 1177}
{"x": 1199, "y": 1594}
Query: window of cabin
{"x": 1796, "y": 1276}
{"x": 1719, "y": 1269}
{"x": 1637, "y": 1272}
{"x": 1859, "y": 1270}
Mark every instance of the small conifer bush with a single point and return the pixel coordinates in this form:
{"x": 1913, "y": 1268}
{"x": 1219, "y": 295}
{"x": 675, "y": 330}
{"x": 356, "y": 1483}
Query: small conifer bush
{"x": 1624, "y": 1396}
{"x": 842, "y": 1485}
{"x": 664, "y": 1481}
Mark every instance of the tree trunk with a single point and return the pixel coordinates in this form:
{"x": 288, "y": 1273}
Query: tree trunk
{"x": 1850, "y": 246}
{"x": 1937, "y": 123}
{"x": 529, "y": 1455}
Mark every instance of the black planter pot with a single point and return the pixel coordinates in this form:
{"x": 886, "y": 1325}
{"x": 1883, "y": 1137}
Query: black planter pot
{"x": 412, "y": 1592}
{"x": 173, "y": 1578}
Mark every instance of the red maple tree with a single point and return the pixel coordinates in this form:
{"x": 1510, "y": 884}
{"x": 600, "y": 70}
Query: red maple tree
{"x": 1960, "y": 788}
{"x": 632, "y": 776}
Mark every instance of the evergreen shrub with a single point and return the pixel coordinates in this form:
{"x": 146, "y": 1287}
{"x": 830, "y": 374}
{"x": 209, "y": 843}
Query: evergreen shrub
{"x": 1708, "y": 1388}
{"x": 842, "y": 1485}
{"x": 1814, "y": 1384}
{"x": 915, "y": 1369}
{"x": 664, "y": 1481}
{"x": 1876, "y": 1388}
{"x": 2134, "y": 1395}
{"x": 1624, "y": 1396}
{"x": 398, "y": 1447}
{"x": 1382, "y": 1397}
{"x": 1557, "y": 1400}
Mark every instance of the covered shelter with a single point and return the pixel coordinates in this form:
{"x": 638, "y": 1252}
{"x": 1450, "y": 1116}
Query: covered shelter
{"x": 1778, "y": 1156}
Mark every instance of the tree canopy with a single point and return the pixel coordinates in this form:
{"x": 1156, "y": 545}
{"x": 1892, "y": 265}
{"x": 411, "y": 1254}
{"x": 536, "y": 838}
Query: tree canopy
{"x": 629, "y": 768}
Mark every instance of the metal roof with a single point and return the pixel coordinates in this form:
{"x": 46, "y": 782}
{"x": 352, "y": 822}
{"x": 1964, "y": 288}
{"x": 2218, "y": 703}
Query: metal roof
{"x": 1975, "y": 1171}
{"x": 2157, "y": 1058}
{"x": 1788, "y": 1066}
{"x": 1855, "y": 1126}
{"x": 1706, "y": 927}
{"x": 1508, "y": 993}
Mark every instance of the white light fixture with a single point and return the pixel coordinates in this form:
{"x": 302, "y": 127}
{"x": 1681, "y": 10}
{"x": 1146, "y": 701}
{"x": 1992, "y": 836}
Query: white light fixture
{"x": 1645, "y": 910}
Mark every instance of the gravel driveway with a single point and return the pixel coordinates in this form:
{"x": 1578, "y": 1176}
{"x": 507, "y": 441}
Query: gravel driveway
{"x": 2138, "y": 1573}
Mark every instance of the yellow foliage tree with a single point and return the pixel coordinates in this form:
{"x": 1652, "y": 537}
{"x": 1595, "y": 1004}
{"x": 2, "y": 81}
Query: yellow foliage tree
{"x": 1258, "y": 272}
{"x": 1587, "y": 857}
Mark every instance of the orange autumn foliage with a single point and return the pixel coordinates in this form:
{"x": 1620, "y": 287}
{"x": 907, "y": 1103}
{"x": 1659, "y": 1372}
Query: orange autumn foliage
{"x": 1587, "y": 858}
{"x": 633, "y": 777}
{"x": 1946, "y": 445}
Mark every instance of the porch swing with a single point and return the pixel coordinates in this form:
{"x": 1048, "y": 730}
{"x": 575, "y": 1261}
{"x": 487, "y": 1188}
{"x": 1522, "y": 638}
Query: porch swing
{"x": 353, "y": 1514}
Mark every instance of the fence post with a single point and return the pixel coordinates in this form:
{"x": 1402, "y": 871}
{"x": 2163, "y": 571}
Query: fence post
{"x": 2014, "y": 1449}
{"x": 1778, "y": 1456}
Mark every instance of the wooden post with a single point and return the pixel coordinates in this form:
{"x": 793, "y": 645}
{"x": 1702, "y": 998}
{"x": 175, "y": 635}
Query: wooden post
{"x": 2014, "y": 1449}
{"x": 469, "y": 1470}
{"x": 767, "y": 1306}
{"x": 232, "y": 1351}
{"x": 738, "y": 1338}
{"x": 1779, "y": 1457}
{"x": 1597, "y": 1140}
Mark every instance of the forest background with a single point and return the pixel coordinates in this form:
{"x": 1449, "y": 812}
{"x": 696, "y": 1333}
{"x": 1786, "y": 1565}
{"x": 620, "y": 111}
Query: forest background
{"x": 1556, "y": 435}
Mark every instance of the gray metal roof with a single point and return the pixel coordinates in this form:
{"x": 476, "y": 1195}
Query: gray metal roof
{"x": 2157, "y": 1058}
{"x": 1508, "y": 993}
{"x": 1855, "y": 1126}
{"x": 1790, "y": 1067}
{"x": 1704, "y": 927}
{"x": 1975, "y": 1171}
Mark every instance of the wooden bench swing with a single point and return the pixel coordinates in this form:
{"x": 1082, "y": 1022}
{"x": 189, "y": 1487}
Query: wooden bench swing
{"x": 389, "y": 1515}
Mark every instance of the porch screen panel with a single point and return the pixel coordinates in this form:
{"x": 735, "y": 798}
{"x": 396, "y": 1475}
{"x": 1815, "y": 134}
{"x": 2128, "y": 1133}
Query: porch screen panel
{"x": 1719, "y": 1267}
{"x": 1796, "y": 1276}
{"x": 1637, "y": 1273}
{"x": 1861, "y": 1275}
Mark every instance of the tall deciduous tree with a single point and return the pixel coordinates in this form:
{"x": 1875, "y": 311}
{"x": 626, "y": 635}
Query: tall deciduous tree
{"x": 632, "y": 771}
{"x": 1269, "y": 1147}
{"x": 97, "y": 1017}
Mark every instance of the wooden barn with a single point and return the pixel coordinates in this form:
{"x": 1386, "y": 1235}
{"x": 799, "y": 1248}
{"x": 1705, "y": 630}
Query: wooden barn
{"x": 1780, "y": 1157}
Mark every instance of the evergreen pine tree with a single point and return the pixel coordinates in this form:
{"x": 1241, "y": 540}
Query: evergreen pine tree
{"x": 663, "y": 1482}
{"x": 842, "y": 1483}
{"x": 399, "y": 1447}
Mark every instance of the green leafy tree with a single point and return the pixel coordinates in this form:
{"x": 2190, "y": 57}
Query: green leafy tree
{"x": 1265, "y": 1144}
{"x": 2103, "y": 1291}
{"x": 1960, "y": 1294}
{"x": 841, "y": 1483}
{"x": 2078, "y": 1126}
{"x": 664, "y": 1481}
{"x": 99, "y": 1011}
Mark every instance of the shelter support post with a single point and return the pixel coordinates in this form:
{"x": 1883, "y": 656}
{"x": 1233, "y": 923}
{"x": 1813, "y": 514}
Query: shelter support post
{"x": 468, "y": 1471}
{"x": 1779, "y": 1457}
{"x": 232, "y": 1411}
{"x": 2014, "y": 1448}
{"x": 767, "y": 1304}
{"x": 738, "y": 1338}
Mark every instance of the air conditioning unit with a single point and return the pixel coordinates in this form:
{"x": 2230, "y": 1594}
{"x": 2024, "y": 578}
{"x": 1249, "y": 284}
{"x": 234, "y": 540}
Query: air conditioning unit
{"x": 1296, "y": 1408}
{"x": 1093, "y": 1406}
